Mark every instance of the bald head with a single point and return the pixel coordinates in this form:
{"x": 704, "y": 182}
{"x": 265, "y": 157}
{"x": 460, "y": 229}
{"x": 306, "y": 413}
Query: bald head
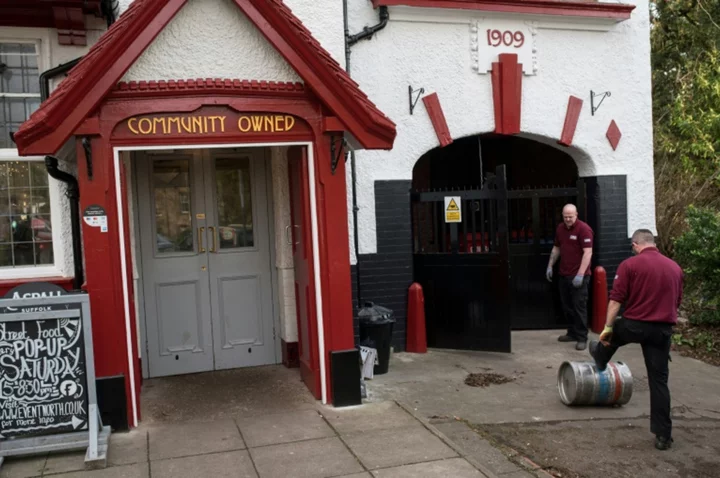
{"x": 570, "y": 215}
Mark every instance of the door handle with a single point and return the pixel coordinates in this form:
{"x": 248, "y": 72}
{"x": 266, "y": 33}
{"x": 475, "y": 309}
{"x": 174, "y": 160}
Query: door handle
{"x": 201, "y": 233}
{"x": 214, "y": 239}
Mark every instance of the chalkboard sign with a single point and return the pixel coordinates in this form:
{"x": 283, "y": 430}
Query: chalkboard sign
{"x": 43, "y": 384}
{"x": 47, "y": 377}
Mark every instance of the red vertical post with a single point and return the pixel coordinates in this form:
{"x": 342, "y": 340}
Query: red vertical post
{"x": 600, "y": 299}
{"x": 416, "y": 335}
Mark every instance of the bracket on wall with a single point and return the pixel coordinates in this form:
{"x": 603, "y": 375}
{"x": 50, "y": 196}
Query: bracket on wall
{"x": 413, "y": 102}
{"x": 335, "y": 158}
{"x": 593, "y": 95}
{"x": 88, "y": 156}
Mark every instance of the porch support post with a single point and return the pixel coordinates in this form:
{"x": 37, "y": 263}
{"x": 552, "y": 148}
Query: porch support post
{"x": 334, "y": 254}
{"x": 103, "y": 280}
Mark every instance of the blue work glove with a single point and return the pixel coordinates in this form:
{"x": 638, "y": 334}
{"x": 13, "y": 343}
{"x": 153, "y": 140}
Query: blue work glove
{"x": 548, "y": 274}
{"x": 578, "y": 281}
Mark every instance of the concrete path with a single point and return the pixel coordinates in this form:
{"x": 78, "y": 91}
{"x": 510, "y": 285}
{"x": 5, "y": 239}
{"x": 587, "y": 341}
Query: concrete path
{"x": 260, "y": 423}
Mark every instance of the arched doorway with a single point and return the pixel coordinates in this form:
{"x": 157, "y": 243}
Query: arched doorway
{"x": 524, "y": 207}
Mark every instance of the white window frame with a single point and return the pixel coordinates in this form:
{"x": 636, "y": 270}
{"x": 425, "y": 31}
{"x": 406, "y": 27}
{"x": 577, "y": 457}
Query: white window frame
{"x": 59, "y": 268}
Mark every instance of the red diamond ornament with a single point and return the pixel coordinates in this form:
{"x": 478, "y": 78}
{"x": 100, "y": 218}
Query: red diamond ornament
{"x": 613, "y": 134}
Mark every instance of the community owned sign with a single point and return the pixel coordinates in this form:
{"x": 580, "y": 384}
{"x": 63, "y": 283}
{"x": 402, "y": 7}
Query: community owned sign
{"x": 47, "y": 378}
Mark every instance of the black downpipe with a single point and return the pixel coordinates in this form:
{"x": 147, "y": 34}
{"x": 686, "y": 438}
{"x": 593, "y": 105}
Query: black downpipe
{"x": 46, "y": 75}
{"x": 73, "y": 193}
{"x": 368, "y": 32}
{"x": 73, "y": 190}
{"x": 350, "y": 40}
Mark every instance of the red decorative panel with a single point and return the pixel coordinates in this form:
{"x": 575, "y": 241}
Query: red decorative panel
{"x": 613, "y": 134}
{"x": 70, "y": 24}
{"x": 432, "y": 105}
{"x": 571, "y": 120}
{"x": 507, "y": 93}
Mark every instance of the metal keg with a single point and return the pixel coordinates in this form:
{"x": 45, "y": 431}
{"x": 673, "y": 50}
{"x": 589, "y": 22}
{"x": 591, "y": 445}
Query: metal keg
{"x": 581, "y": 383}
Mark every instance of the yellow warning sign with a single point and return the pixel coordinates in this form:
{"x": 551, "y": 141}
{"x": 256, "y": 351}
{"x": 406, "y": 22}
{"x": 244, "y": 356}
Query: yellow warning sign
{"x": 453, "y": 209}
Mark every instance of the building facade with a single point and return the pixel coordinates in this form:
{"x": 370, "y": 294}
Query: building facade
{"x": 249, "y": 171}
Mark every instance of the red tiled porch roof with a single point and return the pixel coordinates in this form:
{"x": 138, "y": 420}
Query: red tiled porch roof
{"x": 107, "y": 61}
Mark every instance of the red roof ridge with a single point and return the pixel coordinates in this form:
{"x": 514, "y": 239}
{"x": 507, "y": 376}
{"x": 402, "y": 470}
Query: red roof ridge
{"x": 100, "y": 71}
{"x": 205, "y": 85}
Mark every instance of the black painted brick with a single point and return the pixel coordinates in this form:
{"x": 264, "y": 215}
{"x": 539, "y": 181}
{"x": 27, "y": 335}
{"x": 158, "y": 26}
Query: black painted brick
{"x": 386, "y": 276}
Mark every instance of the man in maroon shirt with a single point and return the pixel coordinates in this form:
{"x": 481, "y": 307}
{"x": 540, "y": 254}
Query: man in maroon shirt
{"x": 573, "y": 245}
{"x": 650, "y": 286}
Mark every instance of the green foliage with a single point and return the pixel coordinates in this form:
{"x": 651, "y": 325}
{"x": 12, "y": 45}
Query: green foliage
{"x": 702, "y": 340}
{"x": 698, "y": 252}
{"x": 685, "y": 40}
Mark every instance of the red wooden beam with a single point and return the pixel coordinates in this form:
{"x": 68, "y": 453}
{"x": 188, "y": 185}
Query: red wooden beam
{"x": 571, "y": 120}
{"x": 507, "y": 93}
{"x": 437, "y": 117}
{"x": 611, "y": 11}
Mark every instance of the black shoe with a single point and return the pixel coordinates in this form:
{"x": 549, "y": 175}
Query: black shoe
{"x": 581, "y": 345}
{"x": 594, "y": 344}
{"x": 662, "y": 443}
{"x": 566, "y": 338}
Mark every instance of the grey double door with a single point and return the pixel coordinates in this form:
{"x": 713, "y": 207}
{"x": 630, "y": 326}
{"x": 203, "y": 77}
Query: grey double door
{"x": 206, "y": 271}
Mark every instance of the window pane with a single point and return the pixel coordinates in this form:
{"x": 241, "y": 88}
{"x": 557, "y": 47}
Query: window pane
{"x": 6, "y": 229}
{"x": 44, "y": 253}
{"x": 38, "y": 173}
{"x": 19, "y": 172}
{"x": 173, "y": 219}
{"x": 25, "y": 225}
{"x": 234, "y": 202}
{"x": 6, "y": 255}
{"x": 24, "y": 253}
{"x": 20, "y": 71}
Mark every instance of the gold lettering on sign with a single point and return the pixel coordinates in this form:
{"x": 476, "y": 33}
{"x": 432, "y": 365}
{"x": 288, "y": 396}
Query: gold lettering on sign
{"x": 209, "y": 124}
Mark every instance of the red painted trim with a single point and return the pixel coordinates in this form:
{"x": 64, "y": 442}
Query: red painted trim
{"x": 107, "y": 61}
{"x": 497, "y": 99}
{"x": 571, "y": 120}
{"x": 40, "y": 14}
{"x": 437, "y": 117}
{"x": 332, "y": 124}
{"x": 70, "y": 24}
{"x": 8, "y": 284}
{"x": 588, "y": 9}
{"x": 91, "y": 126}
{"x": 290, "y": 354}
{"x": 507, "y": 93}
{"x": 207, "y": 86}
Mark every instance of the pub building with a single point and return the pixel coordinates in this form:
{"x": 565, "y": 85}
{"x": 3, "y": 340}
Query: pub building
{"x": 229, "y": 180}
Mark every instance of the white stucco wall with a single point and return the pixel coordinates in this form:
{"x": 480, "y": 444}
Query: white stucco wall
{"x": 433, "y": 50}
{"x": 210, "y": 39}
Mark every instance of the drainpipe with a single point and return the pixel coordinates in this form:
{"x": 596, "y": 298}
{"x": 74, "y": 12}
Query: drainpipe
{"x": 73, "y": 193}
{"x": 350, "y": 40}
{"x": 367, "y": 32}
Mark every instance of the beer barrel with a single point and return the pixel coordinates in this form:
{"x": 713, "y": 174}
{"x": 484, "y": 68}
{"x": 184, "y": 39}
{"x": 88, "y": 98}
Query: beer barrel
{"x": 581, "y": 383}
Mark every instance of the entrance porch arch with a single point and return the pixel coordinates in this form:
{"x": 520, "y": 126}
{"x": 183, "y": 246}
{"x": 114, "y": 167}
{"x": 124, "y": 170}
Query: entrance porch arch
{"x": 512, "y": 189}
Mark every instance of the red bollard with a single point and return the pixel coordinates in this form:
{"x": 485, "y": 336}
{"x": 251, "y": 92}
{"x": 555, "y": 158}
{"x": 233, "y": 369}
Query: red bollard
{"x": 416, "y": 336}
{"x": 600, "y": 299}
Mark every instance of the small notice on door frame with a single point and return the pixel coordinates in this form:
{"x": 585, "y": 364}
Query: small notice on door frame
{"x": 95, "y": 216}
{"x": 453, "y": 209}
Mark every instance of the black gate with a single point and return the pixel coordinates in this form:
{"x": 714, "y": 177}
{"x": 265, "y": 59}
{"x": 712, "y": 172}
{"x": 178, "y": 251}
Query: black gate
{"x": 463, "y": 267}
{"x": 533, "y": 216}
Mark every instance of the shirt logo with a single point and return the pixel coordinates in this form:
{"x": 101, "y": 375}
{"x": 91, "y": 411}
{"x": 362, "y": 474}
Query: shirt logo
{"x": 587, "y": 240}
{"x": 574, "y": 238}
{"x": 617, "y": 277}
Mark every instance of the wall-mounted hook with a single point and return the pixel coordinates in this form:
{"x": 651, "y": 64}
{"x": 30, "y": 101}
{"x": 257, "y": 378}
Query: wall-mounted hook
{"x": 414, "y": 101}
{"x": 603, "y": 95}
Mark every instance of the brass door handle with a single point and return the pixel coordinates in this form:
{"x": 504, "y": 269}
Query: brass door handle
{"x": 201, "y": 233}
{"x": 214, "y": 239}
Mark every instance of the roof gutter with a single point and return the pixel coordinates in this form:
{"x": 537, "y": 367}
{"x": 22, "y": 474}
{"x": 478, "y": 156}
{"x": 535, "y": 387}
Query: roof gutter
{"x": 368, "y": 32}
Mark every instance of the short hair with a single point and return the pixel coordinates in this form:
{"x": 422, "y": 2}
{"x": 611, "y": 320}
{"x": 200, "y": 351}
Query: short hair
{"x": 570, "y": 206}
{"x": 643, "y": 237}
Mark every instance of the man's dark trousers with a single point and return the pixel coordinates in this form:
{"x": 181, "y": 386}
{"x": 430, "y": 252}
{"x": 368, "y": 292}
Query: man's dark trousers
{"x": 654, "y": 337}
{"x": 574, "y": 303}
